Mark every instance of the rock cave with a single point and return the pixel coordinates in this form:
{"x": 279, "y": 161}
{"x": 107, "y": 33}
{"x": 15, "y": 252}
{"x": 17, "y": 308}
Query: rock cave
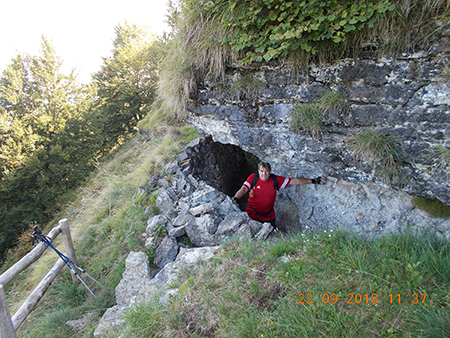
{"x": 223, "y": 166}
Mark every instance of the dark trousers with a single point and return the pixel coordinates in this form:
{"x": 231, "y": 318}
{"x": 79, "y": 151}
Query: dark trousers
{"x": 272, "y": 223}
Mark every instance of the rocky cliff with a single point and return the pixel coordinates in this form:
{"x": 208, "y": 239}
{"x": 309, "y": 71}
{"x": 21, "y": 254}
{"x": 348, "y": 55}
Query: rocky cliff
{"x": 405, "y": 98}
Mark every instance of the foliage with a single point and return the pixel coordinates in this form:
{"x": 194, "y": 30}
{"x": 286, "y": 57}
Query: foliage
{"x": 379, "y": 149}
{"x": 310, "y": 116}
{"x": 47, "y": 147}
{"x": 349, "y": 287}
{"x": 53, "y": 130}
{"x": 158, "y": 118}
{"x": 193, "y": 53}
{"x": 434, "y": 208}
{"x": 106, "y": 222}
{"x": 126, "y": 83}
{"x": 272, "y": 29}
{"x": 210, "y": 35}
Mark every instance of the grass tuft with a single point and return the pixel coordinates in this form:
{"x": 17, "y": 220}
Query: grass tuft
{"x": 311, "y": 116}
{"x": 441, "y": 155}
{"x": 378, "y": 149}
{"x": 246, "y": 86}
{"x": 106, "y": 221}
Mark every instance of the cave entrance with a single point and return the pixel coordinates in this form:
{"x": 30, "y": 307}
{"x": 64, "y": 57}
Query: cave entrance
{"x": 226, "y": 167}
{"x": 223, "y": 166}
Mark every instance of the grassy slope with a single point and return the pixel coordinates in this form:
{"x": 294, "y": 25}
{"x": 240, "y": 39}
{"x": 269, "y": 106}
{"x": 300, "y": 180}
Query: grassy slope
{"x": 106, "y": 221}
{"x": 247, "y": 290}
{"x": 329, "y": 284}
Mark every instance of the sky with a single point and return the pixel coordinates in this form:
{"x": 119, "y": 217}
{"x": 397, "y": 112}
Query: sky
{"x": 81, "y": 31}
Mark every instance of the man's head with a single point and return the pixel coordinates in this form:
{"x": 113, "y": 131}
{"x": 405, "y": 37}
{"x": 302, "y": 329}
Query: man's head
{"x": 264, "y": 170}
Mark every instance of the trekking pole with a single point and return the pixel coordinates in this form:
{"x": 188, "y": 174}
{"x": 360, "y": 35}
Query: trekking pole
{"x": 39, "y": 236}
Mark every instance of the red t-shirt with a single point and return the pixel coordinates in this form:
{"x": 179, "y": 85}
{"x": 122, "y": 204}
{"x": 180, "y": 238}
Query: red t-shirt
{"x": 264, "y": 196}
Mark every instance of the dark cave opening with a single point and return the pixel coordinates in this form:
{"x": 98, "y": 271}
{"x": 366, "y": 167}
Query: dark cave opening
{"x": 226, "y": 167}
{"x": 223, "y": 166}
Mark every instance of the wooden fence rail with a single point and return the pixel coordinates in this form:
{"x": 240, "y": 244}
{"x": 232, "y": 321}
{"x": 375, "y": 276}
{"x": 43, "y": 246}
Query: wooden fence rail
{"x": 9, "y": 325}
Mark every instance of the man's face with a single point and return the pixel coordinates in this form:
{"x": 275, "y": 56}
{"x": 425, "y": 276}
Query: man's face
{"x": 264, "y": 174}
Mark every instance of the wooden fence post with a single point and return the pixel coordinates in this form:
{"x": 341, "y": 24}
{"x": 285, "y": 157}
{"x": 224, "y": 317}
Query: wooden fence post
{"x": 28, "y": 259}
{"x": 6, "y": 327}
{"x": 68, "y": 245}
{"x": 35, "y": 296}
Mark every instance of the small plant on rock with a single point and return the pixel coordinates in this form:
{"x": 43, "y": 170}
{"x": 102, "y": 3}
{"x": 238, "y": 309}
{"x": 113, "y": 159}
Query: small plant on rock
{"x": 247, "y": 85}
{"x": 311, "y": 116}
{"x": 379, "y": 149}
{"x": 441, "y": 155}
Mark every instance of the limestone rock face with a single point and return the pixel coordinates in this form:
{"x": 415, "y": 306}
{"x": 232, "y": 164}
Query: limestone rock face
{"x": 403, "y": 98}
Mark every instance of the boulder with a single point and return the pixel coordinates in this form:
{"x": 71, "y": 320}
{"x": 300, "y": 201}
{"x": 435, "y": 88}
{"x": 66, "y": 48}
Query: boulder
{"x": 166, "y": 252}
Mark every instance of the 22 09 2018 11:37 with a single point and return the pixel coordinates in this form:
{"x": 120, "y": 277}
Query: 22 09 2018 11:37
{"x": 358, "y": 298}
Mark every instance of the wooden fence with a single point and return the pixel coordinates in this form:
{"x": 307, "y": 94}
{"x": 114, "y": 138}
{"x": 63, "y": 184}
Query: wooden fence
{"x": 8, "y": 324}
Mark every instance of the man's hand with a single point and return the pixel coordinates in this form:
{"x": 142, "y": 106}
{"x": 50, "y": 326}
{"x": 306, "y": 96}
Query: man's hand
{"x": 319, "y": 180}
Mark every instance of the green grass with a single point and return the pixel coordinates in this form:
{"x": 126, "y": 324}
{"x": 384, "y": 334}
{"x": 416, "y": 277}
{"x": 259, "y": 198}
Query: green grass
{"x": 211, "y": 35}
{"x": 106, "y": 221}
{"x": 441, "y": 155}
{"x": 311, "y": 116}
{"x": 307, "y": 116}
{"x": 379, "y": 149}
{"x": 247, "y": 85}
{"x": 250, "y": 288}
{"x": 330, "y": 284}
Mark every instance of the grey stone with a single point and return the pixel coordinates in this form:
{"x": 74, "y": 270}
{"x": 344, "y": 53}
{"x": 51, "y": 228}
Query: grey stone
{"x": 165, "y": 297}
{"x": 150, "y": 242}
{"x": 197, "y": 231}
{"x": 136, "y": 276}
{"x": 171, "y": 168}
{"x": 164, "y": 202}
{"x": 81, "y": 323}
{"x": 166, "y": 252}
{"x": 158, "y": 220}
{"x": 178, "y": 232}
{"x": 264, "y": 232}
{"x": 182, "y": 220}
{"x": 401, "y": 97}
{"x": 203, "y": 209}
{"x": 208, "y": 222}
{"x": 187, "y": 257}
{"x": 112, "y": 320}
{"x": 132, "y": 289}
{"x": 245, "y": 231}
{"x": 227, "y": 207}
{"x": 231, "y": 223}
{"x": 206, "y": 194}
{"x": 255, "y": 226}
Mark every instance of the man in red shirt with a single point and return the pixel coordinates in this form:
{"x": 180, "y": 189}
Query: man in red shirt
{"x": 263, "y": 192}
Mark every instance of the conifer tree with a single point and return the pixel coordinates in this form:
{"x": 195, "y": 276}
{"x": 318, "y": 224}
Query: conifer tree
{"x": 127, "y": 81}
{"x": 45, "y": 143}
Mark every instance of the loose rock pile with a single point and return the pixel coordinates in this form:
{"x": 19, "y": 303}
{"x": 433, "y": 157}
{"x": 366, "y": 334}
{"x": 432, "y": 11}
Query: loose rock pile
{"x": 193, "y": 209}
{"x": 189, "y": 208}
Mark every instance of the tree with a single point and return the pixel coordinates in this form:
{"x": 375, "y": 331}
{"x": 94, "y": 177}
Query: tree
{"x": 127, "y": 81}
{"x": 47, "y": 145}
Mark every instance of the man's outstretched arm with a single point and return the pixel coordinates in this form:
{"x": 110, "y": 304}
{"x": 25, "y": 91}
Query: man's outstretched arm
{"x": 299, "y": 181}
